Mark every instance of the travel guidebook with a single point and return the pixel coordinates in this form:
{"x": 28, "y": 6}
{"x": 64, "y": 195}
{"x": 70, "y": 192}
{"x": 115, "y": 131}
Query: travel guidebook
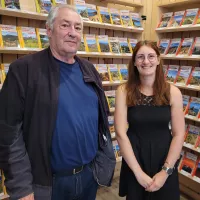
{"x": 103, "y": 43}
{"x": 194, "y": 107}
{"x": 110, "y": 95}
{"x": 115, "y": 16}
{"x": 82, "y": 9}
{"x": 165, "y": 19}
{"x": 173, "y": 47}
{"x": 124, "y": 46}
{"x": 13, "y": 4}
{"x": 114, "y": 44}
{"x": 163, "y": 46}
{"x": 195, "y": 51}
{"x": 190, "y": 16}
{"x": 43, "y": 6}
{"x": 172, "y": 73}
{"x": 186, "y": 100}
{"x": 114, "y": 72}
{"x": 42, "y": 37}
{"x": 132, "y": 43}
{"x": 125, "y": 17}
{"x": 177, "y": 19}
{"x": 136, "y": 21}
{"x": 82, "y": 45}
{"x": 123, "y": 71}
{"x": 104, "y": 14}
{"x": 91, "y": 43}
{"x": 185, "y": 47}
{"x": 92, "y": 13}
{"x": 194, "y": 79}
{"x": 103, "y": 72}
{"x": 183, "y": 75}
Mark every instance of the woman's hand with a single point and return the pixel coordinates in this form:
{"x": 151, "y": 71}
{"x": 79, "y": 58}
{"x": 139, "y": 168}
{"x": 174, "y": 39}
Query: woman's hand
{"x": 158, "y": 181}
{"x": 143, "y": 179}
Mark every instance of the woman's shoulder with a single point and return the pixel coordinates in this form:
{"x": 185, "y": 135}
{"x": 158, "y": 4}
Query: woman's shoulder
{"x": 175, "y": 93}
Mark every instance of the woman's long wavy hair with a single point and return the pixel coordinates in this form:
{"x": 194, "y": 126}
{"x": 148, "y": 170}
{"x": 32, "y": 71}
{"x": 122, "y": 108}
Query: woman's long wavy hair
{"x": 161, "y": 88}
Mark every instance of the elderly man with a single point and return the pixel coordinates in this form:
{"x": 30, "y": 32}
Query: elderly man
{"x": 54, "y": 136}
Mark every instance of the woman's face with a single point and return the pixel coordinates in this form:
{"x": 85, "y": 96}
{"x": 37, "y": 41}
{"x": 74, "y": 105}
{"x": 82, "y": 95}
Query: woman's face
{"x": 146, "y": 61}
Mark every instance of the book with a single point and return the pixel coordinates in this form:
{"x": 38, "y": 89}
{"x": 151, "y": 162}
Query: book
{"x": 92, "y": 13}
{"x": 43, "y": 6}
{"x": 9, "y": 36}
{"x": 4, "y": 70}
{"x": 123, "y": 72}
{"x": 124, "y": 46}
{"x": 103, "y": 43}
{"x": 27, "y": 5}
{"x": 115, "y": 16}
{"x": 188, "y": 163}
{"x": 116, "y": 150}
{"x": 42, "y": 38}
{"x": 57, "y": 2}
{"x": 194, "y": 79}
{"x": 186, "y": 100}
{"x": 177, "y": 19}
{"x": 163, "y": 46}
{"x": 185, "y": 47}
{"x": 111, "y": 124}
{"x": 81, "y": 9}
{"x": 114, "y": 44}
{"x": 104, "y": 14}
{"x": 165, "y": 18}
{"x": 91, "y": 43}
{"x": 195, "y": 51}
{"x": 28, "y": 37}
{"x": 114, "y": 72}
{"x": 103, "y": 72}
{"x": 192, "y": 136}
{"x": 110, "y": 95}
{"x": 165, "y": 70}
{"x": 135, "y": 19}
{"x": 196, "y": 173}
{"x": 198, "y": 19}
{"x": 183, "y": 75}
{"x": 172, "y": 73}
{"x": 194, "y": 107}
{"x": 132, "y": 43}
{"x": 197, "y": 145}
{"x": 12, "y": 4}
{"x": 174, "y": 46}
{"x": 125, "y": 18}
{"x": 82, "y": 44}
{"x": 190, "y": 16}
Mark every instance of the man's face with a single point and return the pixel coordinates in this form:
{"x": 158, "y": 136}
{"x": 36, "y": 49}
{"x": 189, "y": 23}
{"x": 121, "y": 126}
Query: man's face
{"x": 65, "y": 37}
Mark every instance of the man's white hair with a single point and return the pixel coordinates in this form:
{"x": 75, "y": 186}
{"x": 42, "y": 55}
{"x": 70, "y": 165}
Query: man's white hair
{"x": 54, "y": 12}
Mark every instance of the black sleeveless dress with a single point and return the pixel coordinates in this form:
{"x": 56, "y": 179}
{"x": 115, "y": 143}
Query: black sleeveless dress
{"x": 150, "y": 138}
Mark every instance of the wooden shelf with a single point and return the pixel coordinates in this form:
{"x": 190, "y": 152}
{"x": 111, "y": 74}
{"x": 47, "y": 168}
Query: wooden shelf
{"x": 112, "y": 27}
{"x": 192, "y": 148}
{"x": 113, "y": 83}
{"x": 10, "y": 50}
{"x": 178, "y": 29}
{"x": 104, "y": 55}
{"x": 124, "y": 3}
{"x": 188, "y": 176}
{"x": 112, "y": 110}
{"x": 178, "y": 3}
{"x": 4, "y": 197}
{"x": 192, "y": 118}
{"x": 187, "y": 87}
{"x": 194, "y": 58}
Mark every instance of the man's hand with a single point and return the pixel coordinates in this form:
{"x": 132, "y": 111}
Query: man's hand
{"x": 143, "y": 179}
{"x": 158, "y": 181}
{"x": 29, "y": 197}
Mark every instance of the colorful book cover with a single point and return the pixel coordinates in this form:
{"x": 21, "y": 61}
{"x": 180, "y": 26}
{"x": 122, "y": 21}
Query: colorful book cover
{"x": 110, "y": 95}
{"x": 197, "y": 145}
{"x": 13, "y": 4}
{"x": 115, "y": 16}
{"x": 81, "y": 9}
{"x": 197, "y": 22}
{"x": 116, "y": 150}
{"x": 82, "y": 45}
{"x": 28, "y": 37}
{"x": 92, "y": 13}
{"x": 136, "y": 21}
{"x": 165, "y": 70}
{"x": 196, "y": 47}
{"x": 104, "y": 14}
{"x": 103, "y": 72}
{"x": 177, "y": 19}
{"x": 4, "y": 70}
{"x": 172, "y": 73}
{"x": 91, "y": 43}
{"x": 114, "y": 72}
{"x": 125, "y": 17}
{"x": 124, "y": 46}
{"x": 197, "y": 172}
{"x": 114, "y": 44}
{"x": 192, "y": 136}
{"x": 43, "y": 6}
{"x": 194, "y": 107}
{"x": 190, "y": 16}
{"x": 56, "y": 2}
{"x": 163, "y": 46}
{"x": 185, "y": 47}
{"x": 103, "y": 43}
{"x": 123, "y": 71}
{"x": 188, "y": 164}
{"x": 183, "y": 75}
{"x": 173, "y": 47}
{"x": 165, "y": 19}
{"x": 132, "y": 43}
{"x": 9, "y": 36}
{"x": 111, "y": 124}
{"x": 42, "y": 38}
{"x": 186, "y": 100}
{"x": 194, "y": 79}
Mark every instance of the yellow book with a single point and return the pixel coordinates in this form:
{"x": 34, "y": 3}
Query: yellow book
{"x": 56, "y": 2}
{"x": 43, "y": 6}
{"x": 82, "y": 45}
{"x": 42, "y": 38}
{"x": 114, "y": 44}
{"x": 125, "y": 17}
{"x": 132, "y": 43}
{"x": 104, "y": 15}
{"x": 9, "y": 36}
{"x": 12, "y": 4}
{"x": 28, "y": 37}
{"x": 115, "y": 16}
{"x": 110, "y": 95}
{"x": 81, "y": 9}
{"x": 103, "y": 72}
{"x": 114, "y": 72}
{"x": 135, "y": 19}
{"x": 93, "y": 14}
{"x": 103, "y": 43}
{"x": 91, "y": 43}
{"x": 124, "y": 46}
{"x": 123, "y": 72}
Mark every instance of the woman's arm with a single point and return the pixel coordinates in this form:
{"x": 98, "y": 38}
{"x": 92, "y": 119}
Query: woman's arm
{"x": 122, "y": 138}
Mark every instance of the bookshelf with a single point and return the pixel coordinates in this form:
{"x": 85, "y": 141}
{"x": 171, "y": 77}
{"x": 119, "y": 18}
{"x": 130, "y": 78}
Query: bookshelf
{"x": 124, "y": 3}
{"x": 188, "y": 185}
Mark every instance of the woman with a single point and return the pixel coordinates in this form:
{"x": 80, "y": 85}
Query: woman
{"x": 150, "y": 150}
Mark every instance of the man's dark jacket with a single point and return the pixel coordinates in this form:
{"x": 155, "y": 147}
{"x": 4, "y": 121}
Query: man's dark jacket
{"x": 28, "y": 110}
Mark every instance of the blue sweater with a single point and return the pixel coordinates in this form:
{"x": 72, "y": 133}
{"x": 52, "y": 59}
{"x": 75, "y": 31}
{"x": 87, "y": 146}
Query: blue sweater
{"x": 75, "y": 139}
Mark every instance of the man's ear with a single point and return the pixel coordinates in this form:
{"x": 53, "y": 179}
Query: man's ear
{"x": 49, "y": 31}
